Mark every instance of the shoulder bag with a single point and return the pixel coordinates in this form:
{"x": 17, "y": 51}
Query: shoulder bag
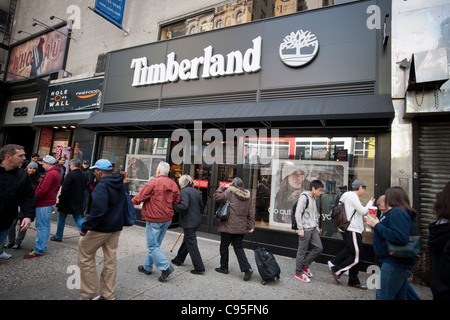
{"x": 223, "y": 212}
{"x": 409, "y": 250}
{"x": 129, "y": 217}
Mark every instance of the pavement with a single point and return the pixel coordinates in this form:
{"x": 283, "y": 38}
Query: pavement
{"x": 51, "y": 277}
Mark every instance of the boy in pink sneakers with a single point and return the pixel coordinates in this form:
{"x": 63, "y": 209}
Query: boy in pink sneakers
{"x": 308, "y": 231}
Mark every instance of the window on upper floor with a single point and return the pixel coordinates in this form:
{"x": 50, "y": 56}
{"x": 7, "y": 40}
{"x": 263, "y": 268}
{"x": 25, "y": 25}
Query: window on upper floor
{"x": 236, "y": 12}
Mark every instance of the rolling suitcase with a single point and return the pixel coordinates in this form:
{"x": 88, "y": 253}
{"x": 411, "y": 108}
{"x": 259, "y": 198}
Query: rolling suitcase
{"x": 268, "y": 268}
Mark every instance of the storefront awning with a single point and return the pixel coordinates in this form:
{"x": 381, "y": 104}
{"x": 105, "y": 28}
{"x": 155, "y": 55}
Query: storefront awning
{"x": 350, "y": 111}
{"x": 61, "y": 118}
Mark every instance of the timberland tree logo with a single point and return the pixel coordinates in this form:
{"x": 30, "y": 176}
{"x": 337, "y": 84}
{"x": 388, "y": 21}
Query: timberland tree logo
{"x": 299, "y": 48}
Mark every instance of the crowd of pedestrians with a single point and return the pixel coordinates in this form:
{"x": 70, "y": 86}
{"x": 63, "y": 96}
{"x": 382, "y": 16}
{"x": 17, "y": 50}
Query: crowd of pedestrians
{"x": 29, "y": 192}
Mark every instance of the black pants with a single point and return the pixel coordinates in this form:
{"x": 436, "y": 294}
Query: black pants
{"x": 189, "y": 245}
{"x": 350, "y": 257}
{"x": 236, "y": 240}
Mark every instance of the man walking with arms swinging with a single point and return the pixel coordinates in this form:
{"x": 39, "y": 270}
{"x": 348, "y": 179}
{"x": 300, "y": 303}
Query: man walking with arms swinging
{"x": 102, "y": 229}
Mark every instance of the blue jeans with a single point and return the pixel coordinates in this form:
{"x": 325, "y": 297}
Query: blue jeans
{"x": 62, "y": 223}
{"x": 43, "y": 223}
{"x": 393, "y": 283}
{"x": 155, "y": 232}
{"x": 3, "y": 235}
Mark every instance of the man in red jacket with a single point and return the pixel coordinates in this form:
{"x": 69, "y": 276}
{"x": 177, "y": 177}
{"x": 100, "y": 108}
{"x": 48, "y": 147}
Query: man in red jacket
{"x": 45, "y": 195}
{"x": 159, "y": 195}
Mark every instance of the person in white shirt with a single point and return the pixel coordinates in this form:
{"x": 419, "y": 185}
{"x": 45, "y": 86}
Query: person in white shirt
{"x": 350, "y": 256}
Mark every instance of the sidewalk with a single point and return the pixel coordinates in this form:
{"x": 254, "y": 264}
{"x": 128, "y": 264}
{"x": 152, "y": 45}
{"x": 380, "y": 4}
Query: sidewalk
{"x": 46, "y": 278}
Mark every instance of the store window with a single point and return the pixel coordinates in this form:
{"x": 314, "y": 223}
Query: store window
{"x": 136, "y": 158}
{"x": 275, "y": 187}
{"x": 61, "y": 138}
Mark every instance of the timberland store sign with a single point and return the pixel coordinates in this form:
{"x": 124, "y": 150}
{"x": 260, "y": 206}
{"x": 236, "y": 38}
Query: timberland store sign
{"x": 213, "y": 65}
{"x": 294, "y": 51}
{"x": 218, "y": 65}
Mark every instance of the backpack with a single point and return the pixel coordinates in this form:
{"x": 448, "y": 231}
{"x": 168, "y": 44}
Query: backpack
{"x": 268, "y": 268}
{"x": 339, "y": 215}
{"x": 294, "y": 208}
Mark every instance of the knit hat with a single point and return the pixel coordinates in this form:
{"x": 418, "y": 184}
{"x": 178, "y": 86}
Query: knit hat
{"x": 49, "y": 159}
{"x": 33, "y": 164}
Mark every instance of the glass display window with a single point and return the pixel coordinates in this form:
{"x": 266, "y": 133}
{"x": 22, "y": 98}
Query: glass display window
{"x": 136, "y": 158}
{"x": 336, "y": 161}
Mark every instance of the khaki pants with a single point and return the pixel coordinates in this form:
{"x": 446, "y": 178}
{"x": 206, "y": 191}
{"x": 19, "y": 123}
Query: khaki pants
{"x": 90, "y": 286}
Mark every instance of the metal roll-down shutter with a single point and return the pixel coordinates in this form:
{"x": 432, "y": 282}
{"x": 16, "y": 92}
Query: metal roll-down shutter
{"x": 434, "y": 169}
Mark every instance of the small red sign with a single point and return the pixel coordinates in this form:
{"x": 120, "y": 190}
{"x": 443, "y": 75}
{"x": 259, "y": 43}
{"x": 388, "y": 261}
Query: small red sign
{"x": 201, "y": 183}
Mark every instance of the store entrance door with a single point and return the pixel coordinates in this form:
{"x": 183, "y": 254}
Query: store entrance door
{"x": 207, "y": 178}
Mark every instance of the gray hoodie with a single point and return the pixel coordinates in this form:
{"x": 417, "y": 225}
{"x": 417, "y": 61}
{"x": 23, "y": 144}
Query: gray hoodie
{"x": 310, "y": 218}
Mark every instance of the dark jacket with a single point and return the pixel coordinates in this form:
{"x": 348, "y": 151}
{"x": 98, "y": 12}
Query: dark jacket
{"x": 439, "y": 242}
{"x": 395, "y": 226}
{"x": 108, "y": 205}
{"x": 158, "y": 195}
{"x": 190, "y": 207}
{"x": 241, "y": 218}
{"x": 72, "y": 193}
{"x": 15, "y": 190}
{"x": 89, "y": 173}
{"x": 48, "y": 188}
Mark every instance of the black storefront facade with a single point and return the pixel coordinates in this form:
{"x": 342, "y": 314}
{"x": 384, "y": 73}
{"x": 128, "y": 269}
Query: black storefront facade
{"x": 278, "y": 102}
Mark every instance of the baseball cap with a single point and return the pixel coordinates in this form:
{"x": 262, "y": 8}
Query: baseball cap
{"x": 358, "y": 183}
{"x": 102, "y": 164}
{"x": 49, "y": 159}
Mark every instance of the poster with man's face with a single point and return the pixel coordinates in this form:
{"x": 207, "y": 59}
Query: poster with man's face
{"x": 291, "y": 177}
{"x": 139, "y": 170}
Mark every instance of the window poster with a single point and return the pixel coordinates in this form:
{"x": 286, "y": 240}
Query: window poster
{"x": 139, "y": 169}
{"x": 291, "y": 177}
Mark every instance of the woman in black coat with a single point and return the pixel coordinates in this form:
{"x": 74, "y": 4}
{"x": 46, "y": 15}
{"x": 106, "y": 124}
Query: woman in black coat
{"x": 190, "y": 208}
{"x": 439, "y": 242}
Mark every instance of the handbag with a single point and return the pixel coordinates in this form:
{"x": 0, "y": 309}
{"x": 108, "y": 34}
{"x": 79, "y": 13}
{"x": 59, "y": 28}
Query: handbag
{"x": 223, "y": 212}
{"x": 409, "y": 250}
{"x": 422, "y": 270}
{"x": 129, "y": 217}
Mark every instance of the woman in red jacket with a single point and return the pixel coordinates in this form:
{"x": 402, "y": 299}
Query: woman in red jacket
{"x": 45, "y": 195}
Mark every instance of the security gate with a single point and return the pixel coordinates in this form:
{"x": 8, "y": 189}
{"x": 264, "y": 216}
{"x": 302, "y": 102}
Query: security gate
{"x": 433, "y": 172}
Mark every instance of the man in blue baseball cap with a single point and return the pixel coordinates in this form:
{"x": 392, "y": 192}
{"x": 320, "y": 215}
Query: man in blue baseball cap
{"x": 102, "y": 164}
{"x": 102, "y": 229}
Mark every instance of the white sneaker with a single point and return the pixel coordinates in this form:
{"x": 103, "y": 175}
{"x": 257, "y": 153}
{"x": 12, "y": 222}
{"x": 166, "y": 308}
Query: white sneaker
{"x": 94, "y": 298}
{"x": 302, "y": 277}
{"x": 4, "y": 256}
{"x": 308, "y": 272}
{"x": 330, "y": 265}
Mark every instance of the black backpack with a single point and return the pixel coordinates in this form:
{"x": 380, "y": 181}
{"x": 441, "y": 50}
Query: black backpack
{"x": 294, "y": 208}
{"x": 268, "y": 268}
{"x": 339, "y": 215}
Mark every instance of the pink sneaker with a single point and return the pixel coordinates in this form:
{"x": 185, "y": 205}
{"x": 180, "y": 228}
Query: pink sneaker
{"x": 308, "y": 272}
{"x": 302, "y": 277}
